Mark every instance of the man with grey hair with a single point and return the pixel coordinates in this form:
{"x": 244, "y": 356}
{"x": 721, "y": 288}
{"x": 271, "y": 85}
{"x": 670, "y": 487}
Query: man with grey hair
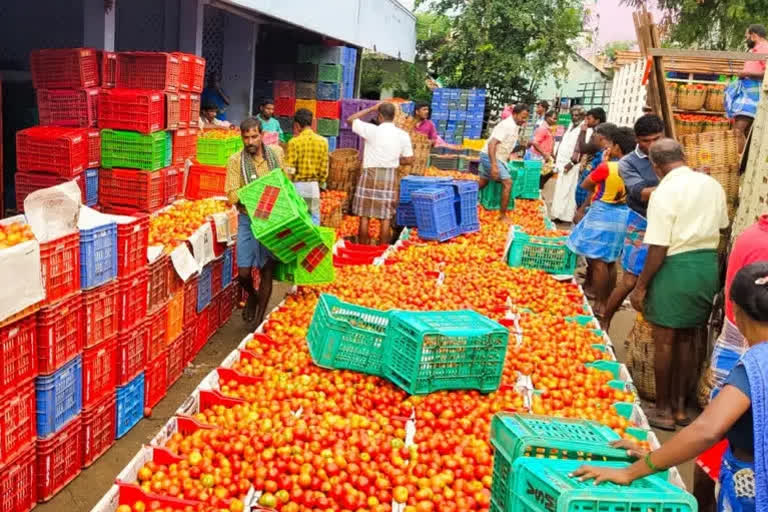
{"x": 680, "y": 278}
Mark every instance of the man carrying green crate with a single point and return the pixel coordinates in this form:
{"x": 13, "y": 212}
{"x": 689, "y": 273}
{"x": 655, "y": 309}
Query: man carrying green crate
{"x": 255, "y": 160}
{"x": 496, "y": 152}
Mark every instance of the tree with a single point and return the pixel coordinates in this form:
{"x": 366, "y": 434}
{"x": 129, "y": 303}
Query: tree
{"x": 507, "y": 46}
{"x": 707, "y": 24}
{"x": 617, "y": 46}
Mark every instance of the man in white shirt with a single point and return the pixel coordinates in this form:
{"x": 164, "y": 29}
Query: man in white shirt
{"x": 386, "y": 148}
{"x": 208, "y": 117}
{"x": 680, "y": 277}
{"x": 564, "y": 198}
{"x": 495, "y": 154}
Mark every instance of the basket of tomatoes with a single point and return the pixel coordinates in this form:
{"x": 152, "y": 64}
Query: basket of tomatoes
{"x": 715, "y": 98}
{"x": 691, "y": 96}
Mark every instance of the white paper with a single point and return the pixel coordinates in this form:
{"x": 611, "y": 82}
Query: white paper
{"x": 154, "y": 252}
{"x": 90, "y": 218}
{"x": 184, "y": 263}
{"x": 222, "y": 227}
{"x": 202, "y": 244}
{"x": 21, "y": 276}
{"x": 53, "y": 212}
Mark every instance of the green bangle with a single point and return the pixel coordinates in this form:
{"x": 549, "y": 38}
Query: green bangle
{"x": 649, "y": 463}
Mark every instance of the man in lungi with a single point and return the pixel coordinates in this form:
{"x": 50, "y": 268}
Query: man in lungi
{"x": 306, "y": 161}
{"x": 496, "y": 152}
{"x": 251, "y": 163}
{"x": 680, "y": 278}
{"x": 386, "y": 148}
{"x": 636, "y": 171}
{"x": 742, "y": 96}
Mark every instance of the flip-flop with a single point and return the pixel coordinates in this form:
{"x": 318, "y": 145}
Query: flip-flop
{"x": 661, "y": 422}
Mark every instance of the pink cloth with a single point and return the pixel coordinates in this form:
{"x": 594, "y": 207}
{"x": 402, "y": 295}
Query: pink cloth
{"x": 750, "y": 247}
{"x": 756, "y": 66}
{"x": 427, "y": 128}
{"x": 544, "y": 137}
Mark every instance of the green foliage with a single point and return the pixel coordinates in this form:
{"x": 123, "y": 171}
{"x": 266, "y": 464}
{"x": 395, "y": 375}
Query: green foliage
{"x": 617, "y": 46}
{"x": 404, "y": 79}
{"x": 507, "y": 46}
{"x": 708, "y": 24}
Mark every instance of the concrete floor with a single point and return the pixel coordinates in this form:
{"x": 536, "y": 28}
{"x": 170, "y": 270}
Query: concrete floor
{"x": 89, "y": 487}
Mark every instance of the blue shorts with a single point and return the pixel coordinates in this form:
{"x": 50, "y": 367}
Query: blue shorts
{"x": 250, "y": 253}
{"x": 485, "y": 168}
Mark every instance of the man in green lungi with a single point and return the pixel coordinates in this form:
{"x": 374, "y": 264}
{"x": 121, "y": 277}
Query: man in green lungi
{"x": 680, "y": 278}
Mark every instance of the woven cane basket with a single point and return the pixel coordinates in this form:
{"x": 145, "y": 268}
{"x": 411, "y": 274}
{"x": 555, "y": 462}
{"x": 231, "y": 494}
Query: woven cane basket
{"x": 715, "y": 99}
{"x": 344, "y": 170}
{"x": 691, "y": 98}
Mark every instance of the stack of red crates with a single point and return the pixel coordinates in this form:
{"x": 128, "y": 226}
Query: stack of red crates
{"x": 154, "y": 91}
{"x": 67, "y": 143}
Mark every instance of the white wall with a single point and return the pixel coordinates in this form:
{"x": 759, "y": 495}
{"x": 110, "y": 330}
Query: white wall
{"x": 579, "y": 71}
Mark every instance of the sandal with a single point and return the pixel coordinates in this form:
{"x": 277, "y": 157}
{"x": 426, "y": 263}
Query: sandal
{"x": 661, "y": 421}
{"x": 249, "y": 311}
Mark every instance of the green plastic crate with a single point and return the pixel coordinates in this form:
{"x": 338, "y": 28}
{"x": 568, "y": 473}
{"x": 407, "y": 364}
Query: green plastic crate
{"x": 549, "y": 254}
{"x": 527, "y": 179}
{"x": 217, "y": 151}
{"x": 527, "y": 435}
{"x": 328, "y": 127}
{"x": 285, "y": 137}
{"x": 279, "y": 216}
{"x": 330, "y": 73}
{"x": 132, "y": 150}
{"x": 433, "y": 350}
{"x": 307, "y": 270}
{"x": 545, "y": 485}
{"x": 490, "y": 196}
{"x": 344, "y": 336}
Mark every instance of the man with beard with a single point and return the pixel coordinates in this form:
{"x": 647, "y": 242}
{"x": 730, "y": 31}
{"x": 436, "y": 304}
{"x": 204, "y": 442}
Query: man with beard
{"x": 254, "y": 161}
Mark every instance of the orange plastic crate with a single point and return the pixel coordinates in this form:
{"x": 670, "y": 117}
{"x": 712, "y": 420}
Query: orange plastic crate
{"x": 175, "y": 317}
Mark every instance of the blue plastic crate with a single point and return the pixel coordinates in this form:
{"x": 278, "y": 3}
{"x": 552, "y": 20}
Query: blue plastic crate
{"x": 204, "y": 288}
{"x": 328, "y": 91}
{"x": 410, "y": 184}
{"x": 91, "y": 187}
{"x": 435, "y": 213}
{"x": 349, "y": 55}
{"x": 226, "y": 268}
{"x": 406, "y": 215}
{"x": 466, "y": 205}
{"x": 455, "y": 94}
{"x": 440, "y": 115}
{"x": 331, "y": 143}
{"x": 407, "y": 107}
{"x": 98, "y": 255}
{"x": 130, "y": 405}
{"x": 59, "y": 397}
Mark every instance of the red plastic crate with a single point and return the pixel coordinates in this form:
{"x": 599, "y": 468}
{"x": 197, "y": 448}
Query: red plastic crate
{"x": 132, "y": 109}
{"x": 59, "y": 334}
{"x": 99, "y": 371}
{"x": 28, "y": 182}
{"x": 216, "y": 268}
{"x": 203, "y": 326}
{"x": 98, "y": 429}
{"x": 174, "y": 179}
{"x": 94, "y": 147}
{"x": 156, "y": 379}
{"x": 131, "y": 189}
{"x": 285, "y": 107}
{"x": 158, "y": 283}
{"x": 175, "y": 317}
{"x": 189, "y": 335}
{"x": 329, "y": 109}
{"x": 177, "y": 359}
{"x": 284, "y": 89}
{"x": 108, "y": 68}
{"x": 227, "y": 304}
{"x": 132, "y": 299}
{"x": 18, "y": 351}
{"x": 172, "y": 111}
{"x": 184, "y": 145}
{"x": 59, "y": 459}
{"x": 184, "y": 112}
{"x": 190, "y": 301}
{"x": 65, "y": 68}
{"x": 191, "y": 73}
{"x": 132, "y": 243}
{"x": 205, "y": 181}
{"x": 148, "y": 70}
{"x": 19, "y": 420}
{"x": 194, "y": 111}
{"x": 158, "y": 324}
{"x": 18, "y": 483}
{"x": 131, "y": 354}
{"x": 53, "y": 149}
{"x": 101, "y": 311}
{"x": 60, "y": 266}
{"x": 68, "y": 107}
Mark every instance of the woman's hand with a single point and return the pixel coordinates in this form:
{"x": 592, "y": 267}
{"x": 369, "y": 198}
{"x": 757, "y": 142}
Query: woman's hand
{"x": 620, "y": 476}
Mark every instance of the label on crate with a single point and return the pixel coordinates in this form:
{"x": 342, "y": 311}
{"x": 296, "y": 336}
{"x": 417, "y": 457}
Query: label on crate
{"x": 53, "y": 212}
{"x": 202, "y": 244}
{"x": 184, "y": 263}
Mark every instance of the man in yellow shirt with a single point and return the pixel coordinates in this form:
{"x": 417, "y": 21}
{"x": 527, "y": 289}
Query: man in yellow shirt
{"x": 306, "y": 161}
{"x": 251, "y": 163}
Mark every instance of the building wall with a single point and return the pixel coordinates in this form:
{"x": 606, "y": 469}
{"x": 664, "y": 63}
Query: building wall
{"x": 579, "y": 72}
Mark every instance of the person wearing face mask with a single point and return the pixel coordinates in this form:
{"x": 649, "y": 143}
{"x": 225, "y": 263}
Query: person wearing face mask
{"x": 254, "y": 161}
{"x": 743, "y": 95}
